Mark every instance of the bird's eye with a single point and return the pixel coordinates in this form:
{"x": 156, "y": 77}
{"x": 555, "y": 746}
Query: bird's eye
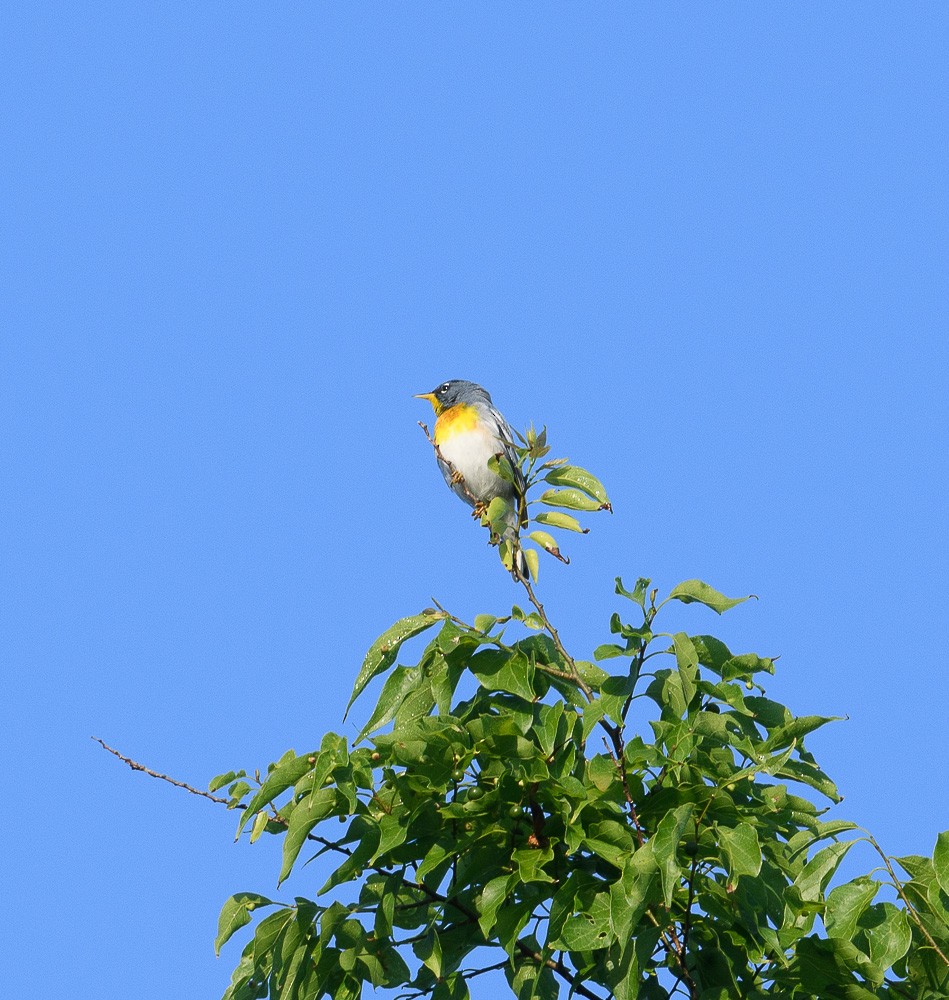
{"x": 445, "y": 387}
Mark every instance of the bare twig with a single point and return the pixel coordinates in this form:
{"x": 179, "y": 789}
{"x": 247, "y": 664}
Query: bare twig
{"x": 434, "y": 896}
{"x": 135, "y": 766}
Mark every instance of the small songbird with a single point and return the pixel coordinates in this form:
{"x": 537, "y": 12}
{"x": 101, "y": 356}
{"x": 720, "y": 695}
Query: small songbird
{"x": 469, "y": 430}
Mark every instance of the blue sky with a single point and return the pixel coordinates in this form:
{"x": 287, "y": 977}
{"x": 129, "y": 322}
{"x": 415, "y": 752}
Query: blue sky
{"x": 706, "y": 245}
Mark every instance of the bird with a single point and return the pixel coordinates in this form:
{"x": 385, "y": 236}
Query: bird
{"x": 469, "y": 430}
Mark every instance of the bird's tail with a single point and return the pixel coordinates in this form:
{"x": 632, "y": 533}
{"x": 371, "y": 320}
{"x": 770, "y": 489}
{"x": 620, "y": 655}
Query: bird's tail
{"x": 511, "y": 537}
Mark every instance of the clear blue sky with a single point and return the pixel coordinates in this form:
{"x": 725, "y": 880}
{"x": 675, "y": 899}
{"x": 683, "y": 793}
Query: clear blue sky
{"x": 706, "y": 244}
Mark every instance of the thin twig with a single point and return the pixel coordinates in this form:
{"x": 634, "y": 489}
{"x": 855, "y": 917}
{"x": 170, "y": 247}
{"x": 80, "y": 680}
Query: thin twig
{"x": 558, "y": 643}
{"x": 434, "y": 896}
{"x": 898, "y": 885}
{"x": 481, "y": 972}
{"x": 135, "y": 766}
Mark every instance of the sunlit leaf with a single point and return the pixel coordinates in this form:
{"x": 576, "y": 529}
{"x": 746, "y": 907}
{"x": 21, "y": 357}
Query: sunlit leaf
{"x": 846, "y": 903}
{"x": 557, "y": 519}
{"x": 695, "y": 591}
{"x": 314, "y": 808}
{"x": 571, "y": 499}
{"x": 282, "y": 777}
{"x": 385, "y": 649}
{"x": 637, "y": 594}
{"x": 941, "y": 860}
{"x": 573, "y": 476}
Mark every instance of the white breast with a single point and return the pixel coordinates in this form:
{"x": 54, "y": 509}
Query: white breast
{"x": 468, "y": 452}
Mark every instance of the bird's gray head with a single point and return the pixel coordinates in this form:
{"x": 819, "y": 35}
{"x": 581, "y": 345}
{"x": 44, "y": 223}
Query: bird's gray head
{"x": 456, "y": 390}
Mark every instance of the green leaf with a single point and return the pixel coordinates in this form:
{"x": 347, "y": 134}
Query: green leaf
{"x": 796, "y": 729}
{"x": 484, "y": 623}
{"x": 941, "y": 860}
{"x": 365, "y": 833}
{"x": 688, "y": 661}
{"x": 918, "y": 867}
{"x": 608, "y": 651}
{"x": 665, "y": 846}
{"x": 436, "y": 855}
{"x": 637, "y": 594}
{"x": 225, "y": 779}
{"x": 634, "y": 891}
{"x": 429, "y": 952}
{"x": 500, "y": 466}
{"x": 533, "y": 562}
{"x": 695, "y": 591}
{"x": 499, "y": 670}
{"x": 493, "y": 896}
{"x": 260, "y": 824}
{"x": 611, "y": 841}
{"x": 824, "y": 969}
{"x": 591, "y": 673}
{"x": 454, "y": 987}
{"x": 385, "y": 649}
{"x": 588, "y": 927}
{"x": 571, "y": 499}
{"x": 315, "y": 807}
{"x": 282, "y": 777}
{"x": 269, "y": 931}
{"x": 742, "y": 850}
{"x": 846, "y": 903}
{"x": 236, "y": 914}
{"x": 531, "y": 982}
{"x": 575, "y": 477}
{"x": 498, "y": 515}
{"x": 818, "y": 871}
{"x": 888, "y": 933}
{"x": 557, "y": 519}
{"x": 548, "y": 543}
{"x": 398, "y": 686}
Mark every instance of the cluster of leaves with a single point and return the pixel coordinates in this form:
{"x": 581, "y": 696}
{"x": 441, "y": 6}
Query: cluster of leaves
{"x": 573, "y": 489}
{"x": 641, "y": 832}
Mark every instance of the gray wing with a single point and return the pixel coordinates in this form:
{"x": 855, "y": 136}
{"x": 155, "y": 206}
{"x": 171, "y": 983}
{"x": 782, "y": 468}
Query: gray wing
{"x": 506, "y": 436}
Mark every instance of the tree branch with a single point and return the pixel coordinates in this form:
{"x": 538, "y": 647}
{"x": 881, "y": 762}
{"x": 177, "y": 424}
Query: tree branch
{"x": 558, "y": 967}
{"x": 898, "y": 885}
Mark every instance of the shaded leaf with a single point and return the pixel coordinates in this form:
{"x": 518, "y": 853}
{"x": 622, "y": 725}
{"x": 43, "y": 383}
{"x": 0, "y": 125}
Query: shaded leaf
{"x": 498, "y": 670}
{"x": 493, "y": 897}
{"x": 817, "y": 872}
{"x": 236, "y": 914}
{"x": 665, "y": 846}
{"x": 887, "y": 933}
{"x": 742, "y": 850}
{"x": 398, "y": 686}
